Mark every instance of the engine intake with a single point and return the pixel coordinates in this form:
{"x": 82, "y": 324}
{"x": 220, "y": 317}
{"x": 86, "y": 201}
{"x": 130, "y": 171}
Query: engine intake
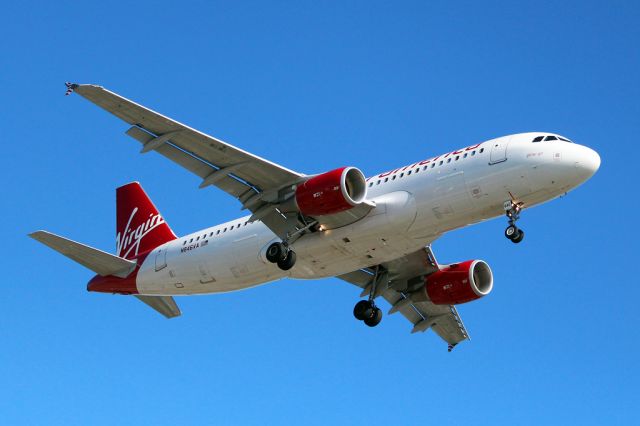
{"x": 332, "y": 192}
{"x": 459, "y": 283}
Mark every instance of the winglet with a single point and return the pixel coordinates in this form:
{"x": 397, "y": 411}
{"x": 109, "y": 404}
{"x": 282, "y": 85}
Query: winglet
{"x": 70, "y": 88}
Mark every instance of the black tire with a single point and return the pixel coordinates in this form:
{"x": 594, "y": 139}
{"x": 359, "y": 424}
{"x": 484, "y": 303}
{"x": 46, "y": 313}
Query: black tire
{"x": 511, "y": 232}
{"x": 375, "y": 318}
{"x": 518, "y": 237}
{"x": 288, "y": 262}
{"x": 276, "y": 252}
{"x": 360, "y": 310}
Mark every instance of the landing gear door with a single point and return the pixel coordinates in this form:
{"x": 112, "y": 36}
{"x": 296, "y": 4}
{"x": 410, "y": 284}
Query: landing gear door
{"x": 499, "y": 150}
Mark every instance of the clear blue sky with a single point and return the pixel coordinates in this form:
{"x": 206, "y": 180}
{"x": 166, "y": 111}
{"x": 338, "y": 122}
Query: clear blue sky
{"x": 313, "y": 86}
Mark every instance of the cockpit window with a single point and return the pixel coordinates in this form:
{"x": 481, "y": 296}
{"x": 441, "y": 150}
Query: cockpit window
{"x": 538, "y": 138}
{"x": 563, "y": 139}
{"x": 550, "y": 138}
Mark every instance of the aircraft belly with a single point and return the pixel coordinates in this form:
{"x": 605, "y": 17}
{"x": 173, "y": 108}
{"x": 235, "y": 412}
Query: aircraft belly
{"x": 381, "y": 236}
{"x": 220, "y": 266}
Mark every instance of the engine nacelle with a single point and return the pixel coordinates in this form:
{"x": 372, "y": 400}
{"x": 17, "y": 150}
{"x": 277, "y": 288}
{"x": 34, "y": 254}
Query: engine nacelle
{"x": 331, "y": 192}
{"x": 459, "y": 283}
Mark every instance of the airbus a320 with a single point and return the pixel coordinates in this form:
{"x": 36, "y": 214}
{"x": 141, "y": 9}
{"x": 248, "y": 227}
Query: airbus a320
{"x": 375, "y": 233}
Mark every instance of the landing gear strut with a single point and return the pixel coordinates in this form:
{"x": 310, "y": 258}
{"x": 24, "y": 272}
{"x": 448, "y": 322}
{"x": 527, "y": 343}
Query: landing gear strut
{"x": 281, "y": 254}
{"x": 512, "y": 210}
{"x": 366, "y": 310}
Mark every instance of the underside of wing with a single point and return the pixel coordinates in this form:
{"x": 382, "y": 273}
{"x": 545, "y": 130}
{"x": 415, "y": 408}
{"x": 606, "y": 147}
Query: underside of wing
{"x": 402, "y": 279}
{"x": 261, "y": 186}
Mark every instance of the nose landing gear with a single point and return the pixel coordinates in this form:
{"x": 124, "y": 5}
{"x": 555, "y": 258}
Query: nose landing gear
{"x": 512, "y": 210}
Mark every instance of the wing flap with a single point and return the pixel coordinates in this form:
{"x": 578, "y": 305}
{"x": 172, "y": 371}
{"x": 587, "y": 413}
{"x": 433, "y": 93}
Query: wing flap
{"x": 100, "y": 262}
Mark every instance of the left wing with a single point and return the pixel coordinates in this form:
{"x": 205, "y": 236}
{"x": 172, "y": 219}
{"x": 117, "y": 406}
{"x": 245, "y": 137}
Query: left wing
{"x": 403, "y": 276}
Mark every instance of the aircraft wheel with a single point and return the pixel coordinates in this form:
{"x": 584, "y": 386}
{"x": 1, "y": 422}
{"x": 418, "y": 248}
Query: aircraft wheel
{"x": 519, "y": 237}
{"x": 511, "y": 232}
{"x": 288, "y": 262}
{"x": 276, "y": 252}
{"x": 375, "y": 317}
{"x": 360, "y": 310}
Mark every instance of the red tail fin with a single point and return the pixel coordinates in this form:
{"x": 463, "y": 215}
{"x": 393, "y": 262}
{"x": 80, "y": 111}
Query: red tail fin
{"x": 139, "y": 225}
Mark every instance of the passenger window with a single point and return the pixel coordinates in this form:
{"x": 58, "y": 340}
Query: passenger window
{"x": 378, "y": 183}
{"x": 224, "y": 230}
{"x": 425, "y": 167}
{"x": 457, "y": 157}
{"x": 465, "y": 155}
{"x": 473, "y": 152}
{"x": 191, "y": 240}
{"x": 417, "y": 170}
{"x": 231, "y": 229}
{"x": 409, "y": 172}
{"x": 386, "y": 179}
{"x": 401, "y": 174}
{"x": 538, "y": 139}
{"x": 198, "y": 239}
{"x": 218, "y": 232}
{"x": 370, "y": 184}
{"x": 481, "y": 150}
{"x": 184, "y": 243}
{"x": 550, "y": 138}
{"x": 393, "y": 177}
{"x": 440, "y": 163}
{"x": 432, "y": 165}
{"x": 449, "y": 160}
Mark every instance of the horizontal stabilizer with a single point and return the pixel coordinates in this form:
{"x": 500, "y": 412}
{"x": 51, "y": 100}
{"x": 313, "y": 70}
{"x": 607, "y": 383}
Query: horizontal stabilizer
{"x": 163, "y": 304}
{"x": 100, "y": 262}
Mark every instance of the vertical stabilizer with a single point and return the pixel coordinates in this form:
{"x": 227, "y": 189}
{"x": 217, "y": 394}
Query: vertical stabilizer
{"x": 139, "y": 225}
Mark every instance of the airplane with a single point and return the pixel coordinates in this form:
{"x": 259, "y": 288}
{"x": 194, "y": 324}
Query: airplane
{"x": 375, "y": 233}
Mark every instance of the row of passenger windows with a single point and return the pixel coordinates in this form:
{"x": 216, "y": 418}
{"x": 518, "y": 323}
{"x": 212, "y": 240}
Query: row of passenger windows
{"x": 427, "y": 166}
{"x": 211, "y": 234}
{"x": 549, "y": 138}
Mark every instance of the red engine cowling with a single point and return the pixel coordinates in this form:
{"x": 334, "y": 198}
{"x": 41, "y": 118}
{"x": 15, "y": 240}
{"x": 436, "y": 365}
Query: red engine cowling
{"x": 331, "y": 192}
{"x": 459, "y": 283}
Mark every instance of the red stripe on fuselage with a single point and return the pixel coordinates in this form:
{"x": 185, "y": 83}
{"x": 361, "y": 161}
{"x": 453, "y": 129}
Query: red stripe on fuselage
{"x": 117, "y": 285}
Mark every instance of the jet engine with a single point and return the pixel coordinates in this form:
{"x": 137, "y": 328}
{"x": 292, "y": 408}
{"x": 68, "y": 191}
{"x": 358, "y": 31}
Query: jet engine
{"x": 331, "y": 192}
{"x": 459, "y": 283}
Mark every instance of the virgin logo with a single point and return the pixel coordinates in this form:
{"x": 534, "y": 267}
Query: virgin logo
{"x": 130, "y": 239}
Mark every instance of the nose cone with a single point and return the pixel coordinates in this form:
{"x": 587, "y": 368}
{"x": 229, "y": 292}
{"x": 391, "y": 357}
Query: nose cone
{"x": 587, "y": 163}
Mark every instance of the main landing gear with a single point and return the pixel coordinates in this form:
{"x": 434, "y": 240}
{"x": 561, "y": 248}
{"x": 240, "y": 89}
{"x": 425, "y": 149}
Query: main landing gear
{"x": 281, "y": 254}
{"x": 366, "y": 310}
{"x": 512, "y": 210}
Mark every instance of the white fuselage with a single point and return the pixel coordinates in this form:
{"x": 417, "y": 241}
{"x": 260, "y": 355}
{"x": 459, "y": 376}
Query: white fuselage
{"x": 414, "y": 205}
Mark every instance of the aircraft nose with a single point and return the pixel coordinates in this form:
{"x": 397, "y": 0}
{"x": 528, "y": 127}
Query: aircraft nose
{"x": 587, "y": 162}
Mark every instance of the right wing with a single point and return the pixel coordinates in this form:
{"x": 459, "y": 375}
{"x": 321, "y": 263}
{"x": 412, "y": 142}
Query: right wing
{"x": 257, "y": 183}
{"x": 403, "y": 276}
{"x": 260, "y": 185}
